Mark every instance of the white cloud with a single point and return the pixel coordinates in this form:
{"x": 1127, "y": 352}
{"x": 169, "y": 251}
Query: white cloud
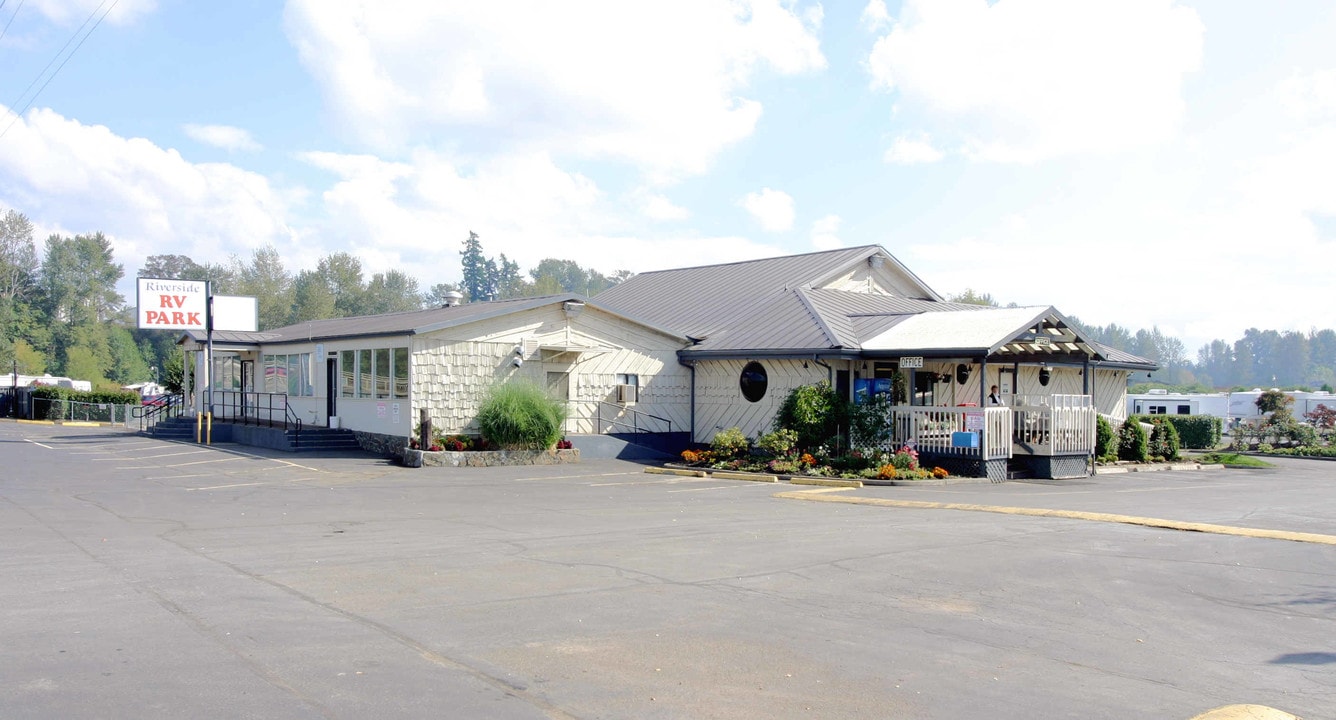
{"x": 1024, "y": 80}
{"x": 148, "y": 199}
{"x": 773, "y": 209}
{"x": 225, "y": 137}
{"x": 1310, "y": 97}
{"x": 825, "y": 233}
{"x": 875, "y": 16}
{"x": 658, "y": 207}
{"x": 606, "y": 79}
{"x": 411, "y": 215}
{"x": 912, "y": 151}
{"x": 66, "y": 12}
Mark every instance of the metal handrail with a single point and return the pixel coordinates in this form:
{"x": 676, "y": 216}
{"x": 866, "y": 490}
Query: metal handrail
{"x": 150, "y": 415}
{"x": 635, "y": 418}
{"x": 254, "y": 408}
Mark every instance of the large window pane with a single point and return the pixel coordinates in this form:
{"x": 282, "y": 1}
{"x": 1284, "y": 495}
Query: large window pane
{"x": 347, "y": 373}
{"x": 294, "y": 386}
{"x": 364, "y": 375}
{"x": 383, "y": 373}
{"x": 401, "y": 372}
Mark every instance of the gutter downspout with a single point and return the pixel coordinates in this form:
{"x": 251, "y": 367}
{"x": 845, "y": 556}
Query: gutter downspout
{"x": 830, "y": 371}
{"x": 691, "y": 364}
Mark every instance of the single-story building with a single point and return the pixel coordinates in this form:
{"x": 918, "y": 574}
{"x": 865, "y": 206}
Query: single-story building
{"x": 688, "y": 352}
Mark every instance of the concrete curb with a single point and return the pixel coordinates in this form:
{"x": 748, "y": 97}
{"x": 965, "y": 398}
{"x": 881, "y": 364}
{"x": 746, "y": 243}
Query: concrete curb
{"x": 826, "y": 482}
{"x": 744, "y": 476}
{"x": 675, "y": 471}
{"x": 1166, "y": 467}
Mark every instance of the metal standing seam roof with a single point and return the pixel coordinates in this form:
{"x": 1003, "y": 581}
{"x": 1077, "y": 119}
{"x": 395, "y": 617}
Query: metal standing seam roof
{"x": 413, "y": 322}
{"x": 806, "y": 320}
{"x": 702, "y": 301}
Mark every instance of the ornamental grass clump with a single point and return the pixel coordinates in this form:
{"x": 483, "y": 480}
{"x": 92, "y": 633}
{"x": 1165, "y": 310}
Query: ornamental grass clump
{"x": 521, "y": 416}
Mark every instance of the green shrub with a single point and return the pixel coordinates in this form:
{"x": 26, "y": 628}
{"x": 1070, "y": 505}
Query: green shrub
{"x": 1163, "y": 443}
{"x": 1104, "y": 447}
{"x": 56, "y": 399}
{"x": 814, "y": 412}
{"x": 1195, "y": 432}
{"x": 1132, "y": 442}
{"x": 870, "y": 424}
{"x": 779, "y": 443}
{"x": 521, "y": 416}
{"x": 729, "y": 443}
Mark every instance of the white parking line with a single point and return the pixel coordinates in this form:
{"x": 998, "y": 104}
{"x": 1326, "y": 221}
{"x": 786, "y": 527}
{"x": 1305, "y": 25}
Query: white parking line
{"x": 250, "y": 484}
{"x": 720, "y": 487}
{"x": 576, "y": 477}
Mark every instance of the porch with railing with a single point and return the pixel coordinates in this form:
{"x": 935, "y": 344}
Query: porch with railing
{"x": 1054, "y": 424}
{"x": 965, "y": 432}
{"x": 1040, "y": 425}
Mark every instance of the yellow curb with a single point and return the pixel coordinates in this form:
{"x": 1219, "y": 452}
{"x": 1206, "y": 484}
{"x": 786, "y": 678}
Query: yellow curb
{"x": 674, "y": 471}
{"x": 826, "y": 482}
{"x": 36, "y": 422}
{"x": 744, "y": 476}
{"x": 1071, "y": 515}
{"x": 81, "y": 423}
{"x": 1246, "y": 712}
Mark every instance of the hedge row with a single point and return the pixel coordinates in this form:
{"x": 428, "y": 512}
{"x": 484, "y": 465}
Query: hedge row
{"x": 55, "y": 408}
{"x": 1195, "y": 432}
{"x": 1304, "y": 451}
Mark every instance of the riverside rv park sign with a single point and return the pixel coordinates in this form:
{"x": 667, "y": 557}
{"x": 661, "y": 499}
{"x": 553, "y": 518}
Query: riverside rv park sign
{"x": 173, "y": 304}
{"x": 188, "y": 305}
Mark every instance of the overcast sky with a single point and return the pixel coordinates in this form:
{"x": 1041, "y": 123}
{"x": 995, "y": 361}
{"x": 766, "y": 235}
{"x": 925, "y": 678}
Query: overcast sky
{"x": 1140, "y": 162}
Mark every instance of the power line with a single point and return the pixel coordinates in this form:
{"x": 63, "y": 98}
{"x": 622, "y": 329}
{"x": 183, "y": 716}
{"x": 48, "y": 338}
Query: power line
{"x": 52, "y": 76}
{"x": 11, "y": 17}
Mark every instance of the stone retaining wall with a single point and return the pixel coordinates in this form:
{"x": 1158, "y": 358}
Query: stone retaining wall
{"x": 489, "y": 458}
{"x": 391, "y": 446}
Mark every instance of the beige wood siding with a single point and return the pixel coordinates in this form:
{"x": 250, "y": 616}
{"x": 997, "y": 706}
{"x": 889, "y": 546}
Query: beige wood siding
{"x": 1111, "y": 393}
{"x": 885, "y": 280}
{"x": 720, "y": 404}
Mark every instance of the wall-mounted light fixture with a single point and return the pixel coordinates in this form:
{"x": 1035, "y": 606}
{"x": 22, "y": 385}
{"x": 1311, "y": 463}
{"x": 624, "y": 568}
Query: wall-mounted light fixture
{"x": 1045, "y": 374}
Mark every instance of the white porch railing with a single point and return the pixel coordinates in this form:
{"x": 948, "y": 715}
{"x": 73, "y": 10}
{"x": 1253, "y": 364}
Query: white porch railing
{"x": 933, "y": 430}
{"x": 1055, "y": 424}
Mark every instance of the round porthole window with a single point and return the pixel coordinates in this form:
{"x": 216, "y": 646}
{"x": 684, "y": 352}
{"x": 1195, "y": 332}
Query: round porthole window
{"x": 753, "y": 381}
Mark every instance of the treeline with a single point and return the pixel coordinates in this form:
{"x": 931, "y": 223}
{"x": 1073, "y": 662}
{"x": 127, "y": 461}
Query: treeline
{"x": 62, "y": 314}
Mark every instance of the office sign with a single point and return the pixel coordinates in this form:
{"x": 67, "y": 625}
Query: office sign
{"x": 907, "y": 363}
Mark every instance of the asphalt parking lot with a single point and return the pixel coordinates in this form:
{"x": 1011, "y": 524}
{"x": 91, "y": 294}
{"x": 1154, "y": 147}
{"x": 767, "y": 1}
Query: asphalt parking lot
{"x": 151, "y": 579}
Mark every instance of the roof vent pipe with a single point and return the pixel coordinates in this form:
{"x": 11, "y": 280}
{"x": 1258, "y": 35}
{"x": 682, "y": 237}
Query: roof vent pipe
{"x": 451, "y": 298}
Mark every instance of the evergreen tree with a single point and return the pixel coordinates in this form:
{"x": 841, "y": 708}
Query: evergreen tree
{"x": 476, "y": 281}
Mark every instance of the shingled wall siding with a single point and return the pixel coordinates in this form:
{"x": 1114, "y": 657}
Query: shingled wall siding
{"x": 453, "y": 374}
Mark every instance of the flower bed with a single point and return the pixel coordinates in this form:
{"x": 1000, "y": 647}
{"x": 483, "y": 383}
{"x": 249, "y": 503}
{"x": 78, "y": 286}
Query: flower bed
{"x": 902, "y": 464}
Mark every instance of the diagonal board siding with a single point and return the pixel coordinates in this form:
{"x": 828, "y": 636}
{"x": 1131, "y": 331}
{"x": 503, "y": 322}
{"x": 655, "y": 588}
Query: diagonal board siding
{"x": 720, "y": 404}
{"x": 454, "y": 368}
